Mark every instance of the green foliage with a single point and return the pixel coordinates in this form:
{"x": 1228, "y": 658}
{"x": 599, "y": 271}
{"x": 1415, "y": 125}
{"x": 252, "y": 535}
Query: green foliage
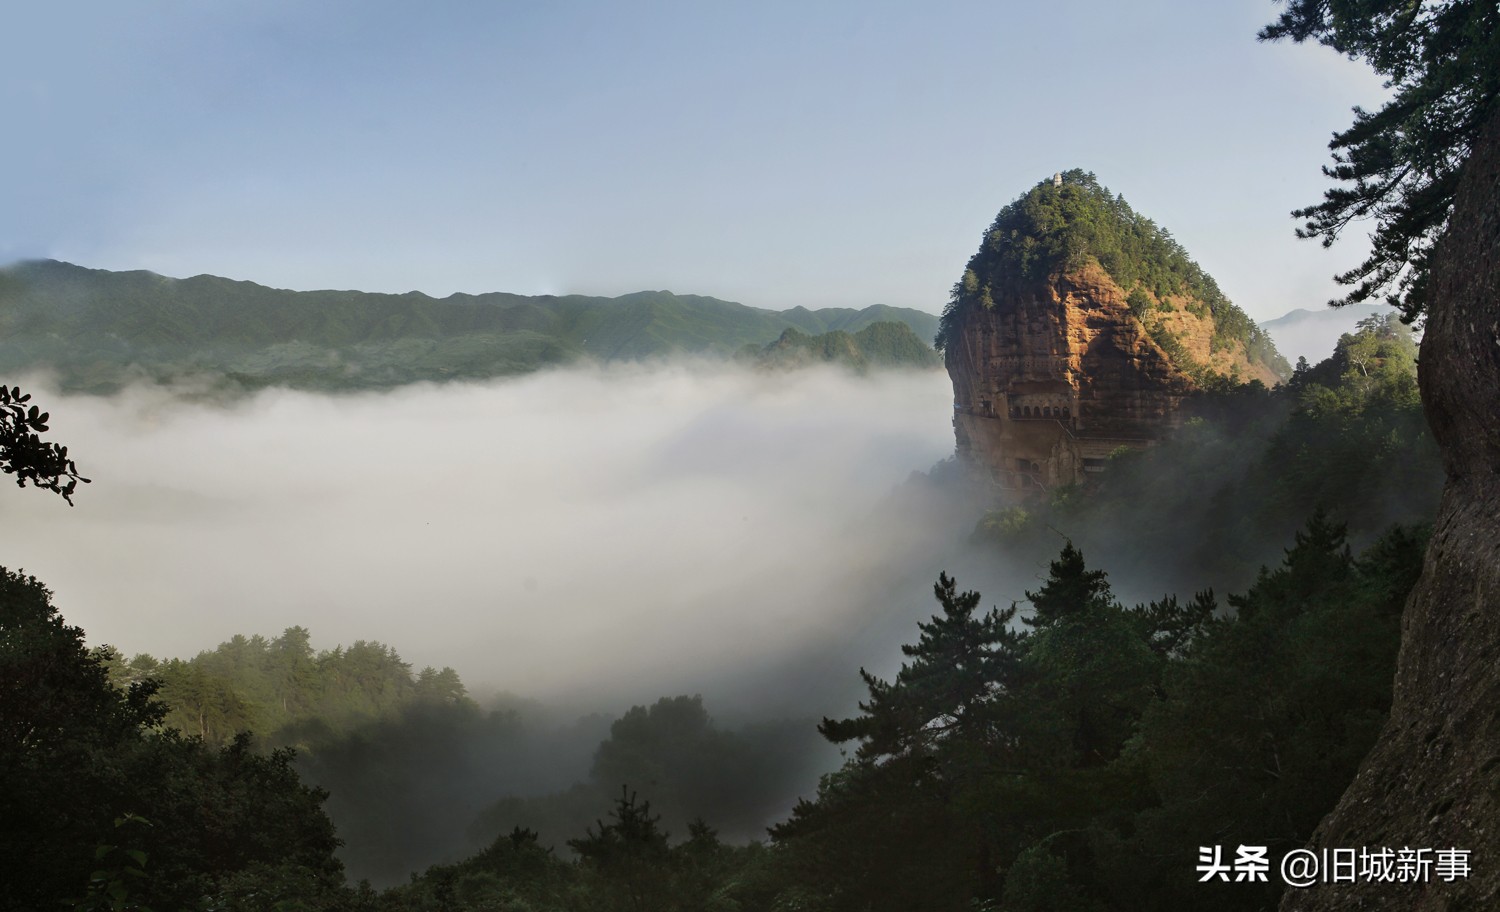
{"x": 937, "y": 700}
{"x": 879, "y": 345}
{"x": 795, "y": 348}
{"x": 624, "y": 863}
{"x": 1400, "y": 165}
{"x": 891, "y": 344}
{"x": 1208, "y": 505}
{"x": 628, "y": 856}
{"x": 387, "y": 743}
{"x": 687, "y": 765}
{"x": 1265, "y": 718}
{"x": 1109, "y": 743}
{"x": 1070, "y": 591}
{"x": 1038, "y": 882}
{"x": 1053, "y": 229}
{"x": 402, "y": 787}
{"x": 994, "y": 735}
{"x": 1175, "y": 351}
{"x": 25, "y": 455}
{"x": 120, "y": 871}
{"x": 99, "y": 330}
{"x": 1007, "y": 525}
{"x": 283, "y": 690}
{"x": 77, "y": 753}
{"x": 514, "y": 872}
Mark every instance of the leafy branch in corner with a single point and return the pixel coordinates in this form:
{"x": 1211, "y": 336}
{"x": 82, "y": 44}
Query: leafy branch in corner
{"x": 25, "y": 455}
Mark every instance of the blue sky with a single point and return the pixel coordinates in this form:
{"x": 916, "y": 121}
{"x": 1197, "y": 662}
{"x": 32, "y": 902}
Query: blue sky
{"x": 778, "y": 154}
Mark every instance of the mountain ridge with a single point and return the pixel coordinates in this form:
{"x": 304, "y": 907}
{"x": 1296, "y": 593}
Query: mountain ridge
{"x": 1313, "y": 333}
{"x": 887, "y": 344}
{"x": 99, "y": 329}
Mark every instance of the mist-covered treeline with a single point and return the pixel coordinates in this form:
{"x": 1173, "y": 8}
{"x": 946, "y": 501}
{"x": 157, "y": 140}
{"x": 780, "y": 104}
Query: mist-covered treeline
{"x": 437, "y": 781}
{"x": 417, "y": 771}
{"x": 1072, "y": 753}
{"x": 688, "y": 766}
{"x": 1072, "y": 750}
{"x": 283, "y": 690}
{"x": 1075, "y": 754}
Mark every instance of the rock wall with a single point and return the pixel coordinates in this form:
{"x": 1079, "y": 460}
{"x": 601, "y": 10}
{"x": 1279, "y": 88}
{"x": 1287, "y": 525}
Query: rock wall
{"x": 1432, "y": 781}
{"x": 1050, "y": 381}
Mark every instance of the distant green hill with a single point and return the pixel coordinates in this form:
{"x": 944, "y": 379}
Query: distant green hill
{"x": 98, "y": 330}
{"x": 879, "y": 345}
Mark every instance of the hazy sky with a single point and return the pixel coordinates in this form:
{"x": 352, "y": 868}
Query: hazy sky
{"x": 775, "y": 153}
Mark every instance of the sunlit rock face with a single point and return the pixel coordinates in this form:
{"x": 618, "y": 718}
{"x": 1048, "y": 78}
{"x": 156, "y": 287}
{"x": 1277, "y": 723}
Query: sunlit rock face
{"x": 1052, "y": 380}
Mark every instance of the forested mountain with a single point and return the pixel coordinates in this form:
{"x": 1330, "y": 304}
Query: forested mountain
{"x": 879, "y": 345}
{"x": 1050, "y": 744}
{"x": 99, "y": 330}
{"x": 1313, "y": 334}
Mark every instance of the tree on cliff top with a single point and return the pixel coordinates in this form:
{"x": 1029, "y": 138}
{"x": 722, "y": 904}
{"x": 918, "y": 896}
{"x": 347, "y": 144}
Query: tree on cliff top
{"x": 1055, "y": 227}
{"x": 1400, "y": 165}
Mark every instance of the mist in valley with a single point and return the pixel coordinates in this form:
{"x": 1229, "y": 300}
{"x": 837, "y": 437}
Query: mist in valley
{"x": 573, "y": 543}
{"x": 657, "y": 576}
{"x": 585, "y": 535}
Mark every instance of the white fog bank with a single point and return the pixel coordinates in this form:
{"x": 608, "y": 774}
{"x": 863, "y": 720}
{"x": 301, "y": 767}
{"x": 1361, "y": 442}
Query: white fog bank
{"x": 615, "y": 533}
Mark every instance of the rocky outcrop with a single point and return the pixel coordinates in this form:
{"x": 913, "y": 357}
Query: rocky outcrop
{"x": 1433, "y": 778}
{"x": 1049, "y": 381}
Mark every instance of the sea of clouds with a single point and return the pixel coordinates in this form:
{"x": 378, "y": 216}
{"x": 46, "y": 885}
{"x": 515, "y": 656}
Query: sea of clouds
{"x": 592, "y": 536}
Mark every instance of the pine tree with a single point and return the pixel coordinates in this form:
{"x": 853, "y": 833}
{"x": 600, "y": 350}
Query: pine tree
{"x": 629, "y": 855}
{"x": 1400, "y": 165}
{"x": 1071, "y": 590}
{"x": 961, "y": 662}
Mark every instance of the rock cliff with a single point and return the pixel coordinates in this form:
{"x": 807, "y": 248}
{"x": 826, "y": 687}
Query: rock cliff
{"x": 1066, "y": 341}
{"x": 1432, "y": 780}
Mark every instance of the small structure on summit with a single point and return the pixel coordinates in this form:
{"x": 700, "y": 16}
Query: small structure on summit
{"x": 1078, "y": 328}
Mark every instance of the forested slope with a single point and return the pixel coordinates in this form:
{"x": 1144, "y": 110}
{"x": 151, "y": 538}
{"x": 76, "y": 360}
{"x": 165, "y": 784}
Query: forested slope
{"x": 98, "y": 330}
